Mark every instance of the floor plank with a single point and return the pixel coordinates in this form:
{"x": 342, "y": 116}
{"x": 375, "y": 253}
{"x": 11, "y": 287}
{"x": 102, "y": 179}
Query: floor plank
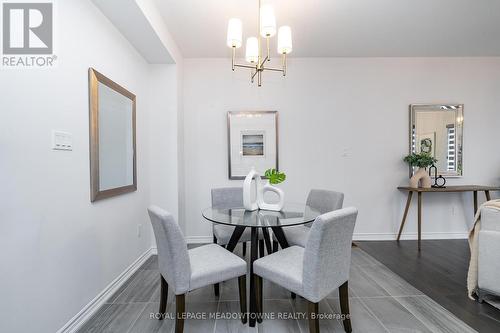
{"x": 362, "y": 319}
{"x": 439, "y": 270}
{"x": 116, "y": 318}
{"x": 433, "y": 316}
{"x": 141, "y": 289}
{"x": 393, "y": 316}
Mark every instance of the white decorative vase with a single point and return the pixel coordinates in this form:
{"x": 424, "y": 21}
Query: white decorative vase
{"x": 248, "y": 203}
{"x": 259, "y": 202}
{"x": 421, "y": 179}
{"x": 276, "y": 207}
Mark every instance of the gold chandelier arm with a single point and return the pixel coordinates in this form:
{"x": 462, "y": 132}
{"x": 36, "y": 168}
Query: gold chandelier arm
{"x": 272, "y": 69}
{"x": 244, "y": 66}
{"x": 284, "y": 64}
{"x": 233, "y": 57}
{"x": 253, "y": 75}
{"x": 268, "y": 53}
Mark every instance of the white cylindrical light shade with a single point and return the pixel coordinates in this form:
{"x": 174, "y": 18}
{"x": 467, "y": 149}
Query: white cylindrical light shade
{"x": 284, "y": 40}
{"x": 267, "y": 21}
{"x": 234, "y": 33}
{"x": 252, "y": 51}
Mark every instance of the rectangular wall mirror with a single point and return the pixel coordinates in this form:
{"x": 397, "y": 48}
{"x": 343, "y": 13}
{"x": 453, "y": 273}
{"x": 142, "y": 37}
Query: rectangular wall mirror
{"x": 112, "y": 138}
{"x": 437, "y": 129}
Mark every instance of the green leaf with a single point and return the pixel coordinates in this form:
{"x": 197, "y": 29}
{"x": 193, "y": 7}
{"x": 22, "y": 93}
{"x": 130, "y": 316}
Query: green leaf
{"x": 422, "y": 160}
{"x": 274, "y": 176}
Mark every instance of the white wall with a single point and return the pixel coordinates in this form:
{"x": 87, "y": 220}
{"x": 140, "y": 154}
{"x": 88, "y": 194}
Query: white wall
{"x": 355, "y": 105}
{"x": 163, "y": 106}
{"x": 58, "y": 250}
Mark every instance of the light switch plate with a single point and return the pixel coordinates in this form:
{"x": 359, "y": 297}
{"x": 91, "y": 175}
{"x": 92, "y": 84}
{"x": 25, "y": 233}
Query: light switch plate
{"x": 62, "y": 140}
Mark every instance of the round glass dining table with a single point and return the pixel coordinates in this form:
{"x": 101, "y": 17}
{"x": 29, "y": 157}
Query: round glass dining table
{"x": 292, "y": 214}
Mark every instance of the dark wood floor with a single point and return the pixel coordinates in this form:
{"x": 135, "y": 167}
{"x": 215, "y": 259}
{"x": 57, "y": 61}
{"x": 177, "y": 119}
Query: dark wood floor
{"x": 439, "y": 270}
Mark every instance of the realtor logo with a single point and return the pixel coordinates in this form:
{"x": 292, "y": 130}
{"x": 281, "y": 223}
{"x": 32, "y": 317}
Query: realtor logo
{"x": 28, "y": 29}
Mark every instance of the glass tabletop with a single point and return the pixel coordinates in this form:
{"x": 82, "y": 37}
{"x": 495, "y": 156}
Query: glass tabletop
{"x": 292, "y": 214}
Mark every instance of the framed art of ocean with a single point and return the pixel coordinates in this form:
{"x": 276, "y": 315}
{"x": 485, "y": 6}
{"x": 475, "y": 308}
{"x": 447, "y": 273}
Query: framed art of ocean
{"x": 252, "y": 142}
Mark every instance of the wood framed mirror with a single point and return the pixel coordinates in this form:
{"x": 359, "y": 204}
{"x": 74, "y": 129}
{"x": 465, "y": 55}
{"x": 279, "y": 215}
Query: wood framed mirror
{"x": 113, "y": 165}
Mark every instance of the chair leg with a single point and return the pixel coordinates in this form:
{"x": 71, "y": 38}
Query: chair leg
{"x": 244, "y": 244}
{"x": 312, "y": 314}
{"x": 260, "y": 299}
{"x": 216, "y": 290}
{"x": 261, "y": 249}
{"x": 180, "y": 312}
{"x": 216, "y": 286}
{"x": 163, "y": 297}
{"x": 275, "y": 246}
{"x": 344, "y": 306}
{"x": 242, "y": 284}
{"x": 480, "y": 295}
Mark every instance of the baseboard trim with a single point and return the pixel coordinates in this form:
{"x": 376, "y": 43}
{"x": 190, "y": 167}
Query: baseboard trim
{"x": 91, "y": 308}
{"x": 409, "y": 236}
{"x": 365, "y": 236}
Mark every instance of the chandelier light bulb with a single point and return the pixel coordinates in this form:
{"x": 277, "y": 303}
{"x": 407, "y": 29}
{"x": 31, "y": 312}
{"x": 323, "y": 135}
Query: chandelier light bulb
{"x": 252, "y": 50}
{"x": 234, "y": 33}
{"x": 267, "y": 21}
{"x": 284, "y": 40}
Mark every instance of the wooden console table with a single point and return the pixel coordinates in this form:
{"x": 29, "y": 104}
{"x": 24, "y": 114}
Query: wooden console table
{"x": 448, "y": 189}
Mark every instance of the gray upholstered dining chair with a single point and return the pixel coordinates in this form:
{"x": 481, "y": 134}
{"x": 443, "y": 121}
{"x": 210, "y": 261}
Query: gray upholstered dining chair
{"x": 185, "y": 270}
{"x": 321, "y": 200}
{"x": 316, "y": 270}
{"x": 228, "y": 197}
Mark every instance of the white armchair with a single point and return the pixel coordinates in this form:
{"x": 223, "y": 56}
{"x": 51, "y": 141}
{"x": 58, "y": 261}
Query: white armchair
{"x": 489, "y": 248}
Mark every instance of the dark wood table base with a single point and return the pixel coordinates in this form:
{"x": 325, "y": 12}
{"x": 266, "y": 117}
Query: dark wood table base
{"x": 448, "y": 189}
{"x": 255, "y": 247}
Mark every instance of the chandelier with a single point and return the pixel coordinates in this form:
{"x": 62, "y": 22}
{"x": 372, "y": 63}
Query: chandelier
{"x": 253, "y": 52}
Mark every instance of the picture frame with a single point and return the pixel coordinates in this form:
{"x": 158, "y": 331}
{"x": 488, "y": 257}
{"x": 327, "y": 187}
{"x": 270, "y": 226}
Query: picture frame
{"x": 252, "y": 142}
{"x": 427, "y": 143}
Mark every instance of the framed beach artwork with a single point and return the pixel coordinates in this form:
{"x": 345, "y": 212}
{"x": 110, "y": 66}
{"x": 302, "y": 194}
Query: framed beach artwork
{"x": 252, "y": 142}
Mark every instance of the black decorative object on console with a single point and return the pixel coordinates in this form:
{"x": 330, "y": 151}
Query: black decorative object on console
{"x": 439, "y": 181}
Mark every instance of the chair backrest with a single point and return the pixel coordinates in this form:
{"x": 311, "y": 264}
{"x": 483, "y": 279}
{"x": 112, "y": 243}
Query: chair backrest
{"x": 227, "y": 197}
{"x": 324, "y": 201}
{"x": 173, "y": 257}
{"x": 327, "y": 255}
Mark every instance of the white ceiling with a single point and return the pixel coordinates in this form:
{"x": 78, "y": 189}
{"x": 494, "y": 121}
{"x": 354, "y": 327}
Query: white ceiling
{"x": 338, "y": 28}
{"x": 137, "y": 28}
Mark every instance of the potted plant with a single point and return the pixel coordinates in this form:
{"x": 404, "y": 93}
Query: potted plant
{"x": 422, "y": 161}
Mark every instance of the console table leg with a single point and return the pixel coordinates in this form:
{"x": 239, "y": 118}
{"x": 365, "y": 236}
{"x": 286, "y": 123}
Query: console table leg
{"x": 475, "y": 202}
{"x": 487, "y": 193}
{"x": 419, "y": 218}
{"x": 408, "y": 202}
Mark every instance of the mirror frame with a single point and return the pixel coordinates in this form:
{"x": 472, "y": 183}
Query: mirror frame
{"x": 437, "y": 107}
{"x": 96, "y": 78}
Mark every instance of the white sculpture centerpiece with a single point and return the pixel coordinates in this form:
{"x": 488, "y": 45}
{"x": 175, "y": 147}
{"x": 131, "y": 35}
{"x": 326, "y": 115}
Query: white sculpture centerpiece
{"x": 274, "y": 177}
